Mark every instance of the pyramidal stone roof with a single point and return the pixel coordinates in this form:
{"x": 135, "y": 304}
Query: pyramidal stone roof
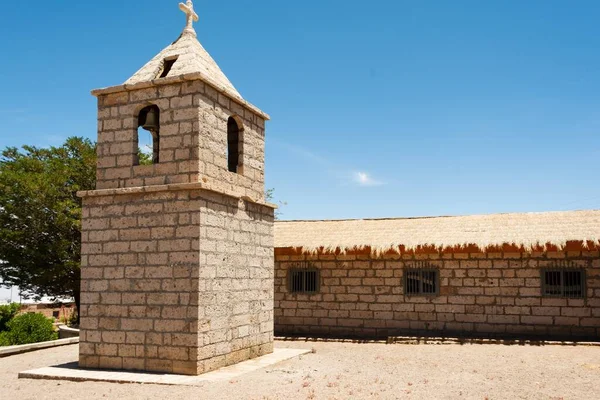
{"x": 183, "y": 60}
{"x": 190, "y": 57}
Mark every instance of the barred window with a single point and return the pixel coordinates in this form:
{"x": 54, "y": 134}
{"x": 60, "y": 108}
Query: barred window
{"x": 566, "y": 283}
{"x": 421, "y": 282}
{"x": 303, "y": 280}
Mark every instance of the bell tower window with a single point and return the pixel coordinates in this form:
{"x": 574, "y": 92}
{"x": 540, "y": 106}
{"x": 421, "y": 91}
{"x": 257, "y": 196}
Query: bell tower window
{"x": 149, "y": 136}
{"x": 166, "y": 67}
{"x": 233, "y": 145}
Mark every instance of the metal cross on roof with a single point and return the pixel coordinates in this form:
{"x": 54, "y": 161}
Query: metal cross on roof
{"x": 191, "y": 16}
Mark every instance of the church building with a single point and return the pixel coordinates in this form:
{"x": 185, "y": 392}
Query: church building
{"x": 185, "y": 271}
{"x": 505, "y": 275}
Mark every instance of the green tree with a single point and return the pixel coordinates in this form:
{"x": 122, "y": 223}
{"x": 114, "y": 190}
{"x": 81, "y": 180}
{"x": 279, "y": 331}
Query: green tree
{"x": 144, "y": 158}
{"x": 28, "y": 328}
{"x": 40, "y": 216}
{"x": 7, "y": 312}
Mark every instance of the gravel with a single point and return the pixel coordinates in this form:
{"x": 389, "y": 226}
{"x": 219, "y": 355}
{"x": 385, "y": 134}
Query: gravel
{"x": 354, "y": 371}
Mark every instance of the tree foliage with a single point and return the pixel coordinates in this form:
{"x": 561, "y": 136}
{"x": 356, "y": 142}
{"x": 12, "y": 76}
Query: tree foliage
{"x": 7, "y": 312}
{"x": 144, "y": 158}
{"x": 270, "y": 197}
{"x": 28, "y": 328}
{"x": 40, "y": 216}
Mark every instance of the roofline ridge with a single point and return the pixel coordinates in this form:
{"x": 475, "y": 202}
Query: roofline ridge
{"x": 438, "y": 216}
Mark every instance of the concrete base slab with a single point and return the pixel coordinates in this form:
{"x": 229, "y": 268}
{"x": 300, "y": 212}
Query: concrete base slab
{"x": 72, "y": 372}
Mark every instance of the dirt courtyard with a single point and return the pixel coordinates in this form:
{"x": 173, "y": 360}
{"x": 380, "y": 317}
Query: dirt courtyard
{"x": 354, "y": 371}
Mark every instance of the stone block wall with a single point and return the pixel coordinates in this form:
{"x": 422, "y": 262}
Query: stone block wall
{"x": 236, "y": 280}
{"x": 193, "y": 139}
{"x": 176, "y": 281}
{"x": 481, "y": 294}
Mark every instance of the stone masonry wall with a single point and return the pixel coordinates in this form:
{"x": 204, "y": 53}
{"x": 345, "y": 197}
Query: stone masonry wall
{"x": 193, "y": 139}
{"x": 483, "y": 294}
{"x": 175, "y": 281}
{"x": 236, "y": 280}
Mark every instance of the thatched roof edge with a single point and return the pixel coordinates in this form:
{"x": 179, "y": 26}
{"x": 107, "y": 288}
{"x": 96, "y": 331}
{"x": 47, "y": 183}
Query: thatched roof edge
{"x": 526, "y": 232}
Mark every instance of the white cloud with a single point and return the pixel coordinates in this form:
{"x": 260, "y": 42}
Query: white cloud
{"x": 364, "y": 179}
{"x": 341, "y": 173}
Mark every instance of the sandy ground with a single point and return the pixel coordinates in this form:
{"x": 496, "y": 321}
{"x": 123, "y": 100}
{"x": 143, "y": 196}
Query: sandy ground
{"x": 354, "y": 371}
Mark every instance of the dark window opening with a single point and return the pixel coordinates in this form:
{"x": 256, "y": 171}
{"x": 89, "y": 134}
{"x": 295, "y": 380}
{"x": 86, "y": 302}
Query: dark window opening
{"x": 421, "y": 282}
{"x": 55, "y": 314}
{"x": 566, "y": 283}
{"x": 149, "y": 141}
{"x": 303, "y": 280}
{"x": 166, "y": 68}
{"x": 233, "y": 148}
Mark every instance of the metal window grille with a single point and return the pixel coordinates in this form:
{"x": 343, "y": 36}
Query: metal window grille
{"x": 304, "y": 280}
{"x": 421, "y": 282}
{"x": 568, "y": 283}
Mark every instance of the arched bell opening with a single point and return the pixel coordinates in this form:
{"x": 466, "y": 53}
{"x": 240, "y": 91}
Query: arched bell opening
{"x": 148, "y": 135}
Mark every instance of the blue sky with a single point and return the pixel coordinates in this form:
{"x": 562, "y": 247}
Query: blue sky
{"x": 379, "y": 109}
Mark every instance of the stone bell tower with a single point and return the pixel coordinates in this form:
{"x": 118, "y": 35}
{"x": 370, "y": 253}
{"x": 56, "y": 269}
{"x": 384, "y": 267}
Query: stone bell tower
{"x": 177, "y": 245}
